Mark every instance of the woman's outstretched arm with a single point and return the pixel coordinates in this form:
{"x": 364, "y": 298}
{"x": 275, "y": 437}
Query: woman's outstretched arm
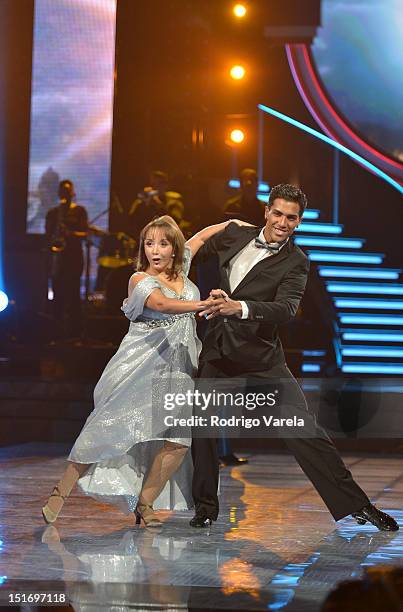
{"x": 198, "y": 240}
{"x": 160, "y": 302}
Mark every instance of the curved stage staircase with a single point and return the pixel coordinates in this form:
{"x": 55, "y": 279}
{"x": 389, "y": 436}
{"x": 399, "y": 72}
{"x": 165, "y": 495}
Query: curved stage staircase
{"x": 367, "y": 299}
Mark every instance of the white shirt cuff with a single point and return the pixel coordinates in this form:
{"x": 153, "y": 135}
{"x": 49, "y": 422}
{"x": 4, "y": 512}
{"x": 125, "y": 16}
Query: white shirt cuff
{"x": 245, "y": 310}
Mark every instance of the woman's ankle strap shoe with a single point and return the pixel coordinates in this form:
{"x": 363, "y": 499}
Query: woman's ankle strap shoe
{"x": 145, "y": 513}
{"x": 49, "y": 515}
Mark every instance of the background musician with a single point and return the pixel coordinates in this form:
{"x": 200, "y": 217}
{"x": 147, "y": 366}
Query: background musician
{"x": 154, "y": 201}
{"x": 66, "y": 226}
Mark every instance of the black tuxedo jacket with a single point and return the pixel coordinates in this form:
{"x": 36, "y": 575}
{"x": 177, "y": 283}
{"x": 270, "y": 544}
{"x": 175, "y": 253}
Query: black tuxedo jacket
{"x": 272, "y": 289}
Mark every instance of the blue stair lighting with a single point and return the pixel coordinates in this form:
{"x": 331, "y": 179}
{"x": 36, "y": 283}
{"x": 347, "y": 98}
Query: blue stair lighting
{"x": 235, "y": 184}
{"x": 319, "y": 241}
{"x": 314, "y": 360}
{"x": 371, "y": 335}
{"x": 372, "y": 351}
{"x": 346, "y": 272}
{"x": 366, "y": 343}
{"x": 374, "y": 288}
{"x": 364, "y": 317}
{"x": 370, "y": 304}
{"x": 314, "y": 353}
{"x": 372, "y": 368}
{"x": 320, "y": 228}
{"x": 335, "y": 256}
{"x": 311, "y": 367}
{"x": 311, "y": 213}
{"x": 367, "y": 319}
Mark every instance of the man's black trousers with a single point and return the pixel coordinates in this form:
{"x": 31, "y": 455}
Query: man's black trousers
{"x": 317, "y": 455}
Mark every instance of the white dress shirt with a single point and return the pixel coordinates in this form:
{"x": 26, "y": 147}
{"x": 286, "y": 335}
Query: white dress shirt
{"x": 243, "y": 262}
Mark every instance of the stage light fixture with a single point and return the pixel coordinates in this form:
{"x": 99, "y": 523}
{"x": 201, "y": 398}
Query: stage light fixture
{"x": 3, "y": 301}
{"x": 239, "y": 10}
{"x": 237, "y": 136}
{"x": 237, "y": 72}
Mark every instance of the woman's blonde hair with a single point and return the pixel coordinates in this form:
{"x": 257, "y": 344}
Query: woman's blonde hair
{"x": 174, "y": 236}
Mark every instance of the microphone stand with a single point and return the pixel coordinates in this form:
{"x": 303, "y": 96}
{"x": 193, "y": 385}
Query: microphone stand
{"x": 88, "y": 245}
{"x": 87, "y": 268}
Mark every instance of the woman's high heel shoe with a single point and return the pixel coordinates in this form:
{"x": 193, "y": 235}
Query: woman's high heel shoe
{"x": 49, "y": 515}
{"x": 146, "y": 513}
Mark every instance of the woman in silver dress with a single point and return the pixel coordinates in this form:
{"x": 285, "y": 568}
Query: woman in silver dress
{"x": 125, "y": 454}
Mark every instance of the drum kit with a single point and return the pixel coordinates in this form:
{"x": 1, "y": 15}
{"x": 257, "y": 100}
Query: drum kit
{"x": 116, "y": 250}
{"x": 116, "y": 256}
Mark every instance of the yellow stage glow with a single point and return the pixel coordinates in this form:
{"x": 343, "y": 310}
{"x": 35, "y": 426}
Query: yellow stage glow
{"x": 239, "y": 10}
{"x": 237, "y": 72}
{"x": 237, "y": 136}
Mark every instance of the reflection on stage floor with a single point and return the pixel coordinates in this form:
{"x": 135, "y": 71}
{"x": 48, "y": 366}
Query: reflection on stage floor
{"x": 274, "y": 547}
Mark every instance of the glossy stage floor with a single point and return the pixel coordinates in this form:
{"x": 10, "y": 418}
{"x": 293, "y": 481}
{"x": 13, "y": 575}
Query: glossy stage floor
{"x": 274, "y": 547}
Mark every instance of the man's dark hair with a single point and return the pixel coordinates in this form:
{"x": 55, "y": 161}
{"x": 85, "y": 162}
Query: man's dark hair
{"x": 65, "y": 185}
{"x": 289, "y": 193}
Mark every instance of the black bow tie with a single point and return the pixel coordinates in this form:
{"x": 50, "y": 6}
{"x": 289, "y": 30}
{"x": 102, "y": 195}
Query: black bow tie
{"x": 272, "y": 247}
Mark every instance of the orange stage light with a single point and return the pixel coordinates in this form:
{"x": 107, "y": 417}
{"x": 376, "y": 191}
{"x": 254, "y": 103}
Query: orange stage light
{"x": 239, "y": 10}
{"x": 237, "y": 72}
{"x": 237, "y": 136}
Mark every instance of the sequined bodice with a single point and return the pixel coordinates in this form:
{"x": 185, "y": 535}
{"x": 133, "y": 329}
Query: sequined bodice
{"x": 134, "y": 308}
{"x": 189, "y": 292}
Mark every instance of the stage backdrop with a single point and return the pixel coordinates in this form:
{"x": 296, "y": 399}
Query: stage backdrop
{"x": 72, "y": 101}
{"x": 358, "y": 54}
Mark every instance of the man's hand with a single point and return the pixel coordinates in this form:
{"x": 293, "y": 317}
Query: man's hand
{"x": 218, "y": 293}
{"x": 222, "y": 306}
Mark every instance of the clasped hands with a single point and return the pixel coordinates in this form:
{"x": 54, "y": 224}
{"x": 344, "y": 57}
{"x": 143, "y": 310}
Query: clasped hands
{"x": 222, "y": 305}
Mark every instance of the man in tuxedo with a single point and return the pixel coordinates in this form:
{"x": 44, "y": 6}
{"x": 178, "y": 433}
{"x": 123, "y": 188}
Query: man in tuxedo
{"x": 263, "y": 278}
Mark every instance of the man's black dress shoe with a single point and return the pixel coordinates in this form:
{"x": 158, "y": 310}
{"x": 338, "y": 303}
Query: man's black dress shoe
{"x": 380, "y": 519}
{"x": 232, "y": 460}
{"x": 201, "y": 521}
